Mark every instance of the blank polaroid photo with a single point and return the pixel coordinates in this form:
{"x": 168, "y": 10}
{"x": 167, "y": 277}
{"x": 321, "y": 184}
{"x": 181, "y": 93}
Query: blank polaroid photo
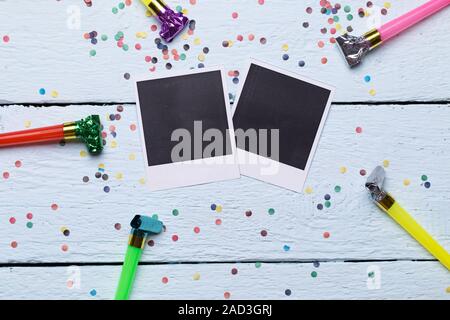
{"x": 278, "y": 119}
{"x": 186, "y": 129}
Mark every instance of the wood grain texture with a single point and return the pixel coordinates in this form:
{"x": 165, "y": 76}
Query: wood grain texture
{"x": 334, "y": 280}
{"x": 411, "y": 138}
{"x": 46, "y": 52}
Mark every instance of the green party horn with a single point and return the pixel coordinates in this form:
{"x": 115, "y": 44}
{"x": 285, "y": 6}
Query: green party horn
{"x": 141, "y": 228}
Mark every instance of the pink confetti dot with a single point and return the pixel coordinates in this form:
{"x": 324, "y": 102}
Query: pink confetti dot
{"x": 133, "y": 127}
{"x": 226, "y": 294}
{"x": 175, "y": 238}
{"x": 54, "y": 207}
{"x": 14, "y": 244}
{"x": 218, "y": 222}
{"x": 138, "y": 46}
{"x": 29, "y": 216}
{"x": 164, "y": 280}
{"x": 251, "y": 37}
{"x": 197, "y": 230}
{"x": 358, "y": 130}
{"x": 5, "y": 175}
{"x": 261, "y": 2}
{"x": 6, "y": 39}
{"x": 154, "y": 27}
{"x": 18, "y": 164}
{"x": 240, "y": 37}
{"x": 148, "y": 59}
{"x": 235, "y": 15}
{"x": 12, "y": 220}
{"x": 64, "y": 247}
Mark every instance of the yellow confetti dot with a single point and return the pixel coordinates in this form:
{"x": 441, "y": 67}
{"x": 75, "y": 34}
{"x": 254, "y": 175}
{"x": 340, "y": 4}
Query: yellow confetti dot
{"x": 230, "y": 43}
{"x": 185, "y": 36}
{"x": 406, "y": 182}
{"x": 113, "y": 144}
{"x": 219, "y": 208}
{"x": 447, "y": 290}
{"x": 142, "y": 180}
{"x": 101, "y": 166}
{"x": 185, "y": 11}
{"x": 119, "y": 175}
{"x": 132, "y": 156}
{"x": 196, "y": 276}
{"x": 387, "y": 5}
{"x": 27, "y": 123}
{"x": 149, "y": 13}
{"x": 201, "y": 57}
{"x": 54, "y": 94}
{"x": 342, "y": 169}
{"x": 197, "y": 41}
{"x": 386, "y": 163}
{"x": 338, "y": 26}
{"x": 62, "y": 229}
{"x": 141, "y": 35}
{"x": 309, "y": 190}
{"x": 372, "y": 92}
{"x": 83, "y": 153}
{"x": 285, "y": 47}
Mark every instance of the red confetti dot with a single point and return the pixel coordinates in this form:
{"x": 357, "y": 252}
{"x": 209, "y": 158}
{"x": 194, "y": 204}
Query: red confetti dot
{"x": 138, "y": 46}
{"x": 5, "y": 175}
{"x": 18, "y": 164}
{"x": 326, "y": 235}
{"x": 64, "y": 247}
{"x": 218, "y": 222}
{"x": 324, "y": 60}
{"x": 12, "y": 220}
{"x": 154, "y": 27}
{"x": 164, "y": 280}
{"x": 251, "y": 37}
{"x": 54, "y": 207}
{"x": 227, "y": 295}
{"x": 197, "y": 230}
{"x": 175, "y": 238}
{"x": 29, "y": 216}
{"x": 240, "y": 37}
{"x": 14, "y": 244}
{"x": 358, "y": 130}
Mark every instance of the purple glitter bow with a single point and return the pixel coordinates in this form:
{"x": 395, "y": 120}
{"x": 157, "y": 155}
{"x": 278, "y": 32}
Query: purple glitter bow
{"x": 172, "y": 23}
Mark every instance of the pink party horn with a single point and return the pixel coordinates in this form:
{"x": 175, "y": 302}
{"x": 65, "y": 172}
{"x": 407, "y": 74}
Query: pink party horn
{"x": 355, "y": 48}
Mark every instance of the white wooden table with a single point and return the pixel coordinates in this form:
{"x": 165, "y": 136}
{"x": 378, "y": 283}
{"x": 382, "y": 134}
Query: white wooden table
{"x": 72, "y": 244}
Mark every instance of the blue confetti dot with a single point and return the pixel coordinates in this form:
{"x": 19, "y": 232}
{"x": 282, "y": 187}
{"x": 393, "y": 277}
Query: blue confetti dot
{"x": 93, "y": 292}
{"x": 288, "y": 292}
{"x": 301, "y": 63}
{"x": 320, "y": 206}
{"x": 106, "y": 189}
{"x": 41, "y": 91}
{"x": 327, "y": 197}
{"x": 367, "y": 78}
{"x": 286, "y": 248}
{"x": 427, "y": 184}
{"x": 285, "y": 57}
{"x": 213, "y": 207}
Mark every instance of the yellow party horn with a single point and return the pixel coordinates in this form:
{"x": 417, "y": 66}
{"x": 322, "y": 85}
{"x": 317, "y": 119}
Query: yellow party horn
{"x": 388, "y": 204}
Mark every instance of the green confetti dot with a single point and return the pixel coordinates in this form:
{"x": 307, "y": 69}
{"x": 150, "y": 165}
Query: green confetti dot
{"x": 104, "y": 37}
{"x": 125, "y": 47}
{"x": 115, "y": 10}
{"x": 337, "y": 189}
{"x": 183, "y": 56}
{"x": 271, "y": 211}
{"x": 424, "y": 178}
{"x": 347, "y": 9}
{"x": 349, "y": 17}
{"x": 155, "y": 216}
{"x": 29, "y": 225}
{"x": 371, "y": 274}
{"x": 258, "y": 265}
{"x": 121, "y": 6}
{"x": 92, "y": 53}
{"x": 178, "y": 8}
{"x": 314, "y": 274}
{"x": 175, "y": 212}
{"x": 336, "y": 19}
{"x": 327, "y": 204}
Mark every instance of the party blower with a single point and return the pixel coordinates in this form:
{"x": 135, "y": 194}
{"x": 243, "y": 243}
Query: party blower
{"x": 88, "y": 130}
{"x": 141, "y": 228}
{"x": 388, "y": 204}
{"x": 355, "y": 48}
{"x": 172, "y": 23}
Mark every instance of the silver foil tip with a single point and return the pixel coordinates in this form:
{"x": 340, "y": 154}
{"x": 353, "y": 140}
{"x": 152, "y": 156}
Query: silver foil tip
{"x": 353, "y": 48}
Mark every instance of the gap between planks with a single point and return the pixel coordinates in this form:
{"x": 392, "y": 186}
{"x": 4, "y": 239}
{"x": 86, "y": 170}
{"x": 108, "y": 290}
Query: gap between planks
{"x": 350, "y": 103}
{"x": 97, "y": 264}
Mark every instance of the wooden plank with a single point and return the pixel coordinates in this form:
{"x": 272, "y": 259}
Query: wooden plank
{"x": 46, "y": 50}
{"x": 333, "y": 280}
{"x": 410, "y": 138}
